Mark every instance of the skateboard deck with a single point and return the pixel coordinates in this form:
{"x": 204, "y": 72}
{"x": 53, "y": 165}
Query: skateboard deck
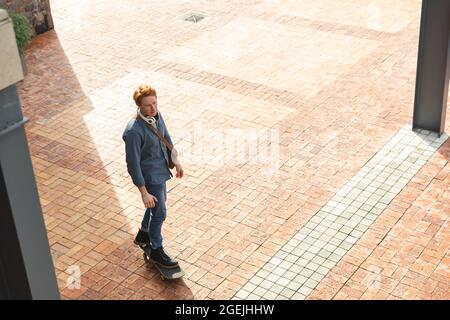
{"x": 166, "y": 273}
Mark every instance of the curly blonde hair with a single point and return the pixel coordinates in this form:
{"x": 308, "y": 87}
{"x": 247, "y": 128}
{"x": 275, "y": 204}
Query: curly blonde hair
{"x": 143, "y": 91}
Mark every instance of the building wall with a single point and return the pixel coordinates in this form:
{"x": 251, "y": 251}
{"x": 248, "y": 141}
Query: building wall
{"x": 37, "y": 11}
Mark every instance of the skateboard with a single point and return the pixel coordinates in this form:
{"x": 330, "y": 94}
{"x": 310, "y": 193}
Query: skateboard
{"x": 166, "y": 273}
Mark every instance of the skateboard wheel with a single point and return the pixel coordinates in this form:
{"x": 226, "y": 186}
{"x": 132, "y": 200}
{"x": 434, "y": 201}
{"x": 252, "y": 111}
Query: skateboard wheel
{"x": 145, "y": 257}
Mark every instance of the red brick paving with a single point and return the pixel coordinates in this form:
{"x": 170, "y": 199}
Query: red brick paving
{"x": 405, "y": 253}
{"x": 349, "y": 87}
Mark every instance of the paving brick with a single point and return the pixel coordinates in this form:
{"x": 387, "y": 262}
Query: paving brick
{"x": 337, "y": 118}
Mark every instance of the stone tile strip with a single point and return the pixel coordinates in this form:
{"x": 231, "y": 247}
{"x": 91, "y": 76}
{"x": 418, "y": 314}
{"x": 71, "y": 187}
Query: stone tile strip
{"x": 299, "y": 266}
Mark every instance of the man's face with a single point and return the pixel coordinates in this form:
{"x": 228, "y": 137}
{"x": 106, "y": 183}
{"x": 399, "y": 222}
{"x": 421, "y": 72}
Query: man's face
{"x": 149, "y": 106}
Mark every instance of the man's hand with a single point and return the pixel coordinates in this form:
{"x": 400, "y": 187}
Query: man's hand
{"x": 180, "y": 172}
{"x": 149, "y": 200}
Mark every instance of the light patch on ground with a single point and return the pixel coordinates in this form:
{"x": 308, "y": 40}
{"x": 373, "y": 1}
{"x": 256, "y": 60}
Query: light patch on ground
{"x": 278, "y": 56}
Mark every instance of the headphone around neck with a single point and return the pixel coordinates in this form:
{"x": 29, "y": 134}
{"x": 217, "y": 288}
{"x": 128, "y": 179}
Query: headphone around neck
{"x": 150, "y": 120}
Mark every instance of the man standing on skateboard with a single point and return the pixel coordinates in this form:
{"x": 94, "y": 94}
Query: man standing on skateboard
{"x": 148, "y": 161}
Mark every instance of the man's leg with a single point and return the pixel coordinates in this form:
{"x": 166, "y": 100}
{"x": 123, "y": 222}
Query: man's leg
{"x": 143, "y": 236}
{"x": 146, "y": 220}
{"x": 158, "y": 214}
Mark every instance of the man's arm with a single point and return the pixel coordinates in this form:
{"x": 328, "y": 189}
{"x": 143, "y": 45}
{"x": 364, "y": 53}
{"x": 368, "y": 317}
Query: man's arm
{"x": 148, "y": 199}
{"x": 133, "y": 142}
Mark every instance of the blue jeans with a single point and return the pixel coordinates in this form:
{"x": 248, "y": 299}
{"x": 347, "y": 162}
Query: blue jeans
{"x": 154, "y": 217}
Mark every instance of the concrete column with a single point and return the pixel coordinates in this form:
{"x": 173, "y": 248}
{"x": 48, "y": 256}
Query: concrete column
{"x": 433, "y": 66}
{"x": 26, "y": 267}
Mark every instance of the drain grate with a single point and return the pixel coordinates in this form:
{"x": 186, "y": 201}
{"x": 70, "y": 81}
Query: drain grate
{"x": 194, "y": 17}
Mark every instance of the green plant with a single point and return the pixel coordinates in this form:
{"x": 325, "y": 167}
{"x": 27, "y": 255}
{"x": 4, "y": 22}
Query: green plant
{"x": 22, "y": 29}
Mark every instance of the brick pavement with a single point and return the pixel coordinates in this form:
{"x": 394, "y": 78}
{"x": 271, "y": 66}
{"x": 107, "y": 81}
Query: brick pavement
{"x": 329, "y": 82}
{"x": 302, "y": 263}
